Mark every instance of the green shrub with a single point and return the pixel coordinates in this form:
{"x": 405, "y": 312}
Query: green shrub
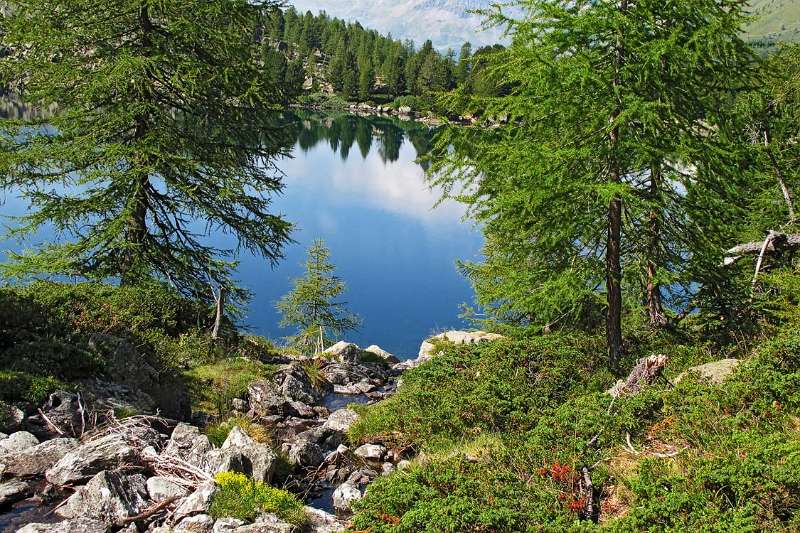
{"x": 20, "y": 386}
{"x": 240, "y": 497}
{"x": 418, "y": 104}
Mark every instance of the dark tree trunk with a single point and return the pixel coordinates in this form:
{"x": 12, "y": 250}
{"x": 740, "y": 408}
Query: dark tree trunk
{"x": 655, "y": 307}
{"x": 614, "y": 241}
{"x": 136, "y": 231}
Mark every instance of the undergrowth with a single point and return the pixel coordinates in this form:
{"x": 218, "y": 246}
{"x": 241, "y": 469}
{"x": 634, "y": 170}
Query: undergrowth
{"x": 238, "y": 496}
{"x": 503, "y": 430}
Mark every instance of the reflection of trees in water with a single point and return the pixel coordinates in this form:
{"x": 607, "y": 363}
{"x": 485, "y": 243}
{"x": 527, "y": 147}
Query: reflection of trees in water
{"x": 342, "y": 131}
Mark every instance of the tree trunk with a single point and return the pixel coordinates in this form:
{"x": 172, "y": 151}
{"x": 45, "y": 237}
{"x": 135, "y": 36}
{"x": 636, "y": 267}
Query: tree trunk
{"x": 655, "y": 306}
{"x": 136, "y": 231}
{"x": 787, "y": 194}
{"x": 614, "y": 240}
{"x": 220, "y": 297}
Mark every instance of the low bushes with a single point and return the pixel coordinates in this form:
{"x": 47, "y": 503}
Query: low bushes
{"x": 21, "y": 386}
{"x": 215, "y": 385}
{"x": 240, "y": 497}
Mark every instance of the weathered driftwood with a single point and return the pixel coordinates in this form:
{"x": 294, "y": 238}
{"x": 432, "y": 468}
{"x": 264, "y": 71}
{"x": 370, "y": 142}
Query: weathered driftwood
{"x": 777, "y": 242}
{"x": 646, "y": 371}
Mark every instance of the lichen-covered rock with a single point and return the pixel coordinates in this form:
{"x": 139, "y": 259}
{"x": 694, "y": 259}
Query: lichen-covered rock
{"x": 341, "y": 420}
{"x": 344, "y": 496}
{"x": 201, "y": 523}
{"x": 373, "y": 453}
{"x": 321, "y": 522}
{"x": 188, "y": 444}
{"x": 715, "y": 372}
{"x": 198, "y": 502}
{"x": 11, "y": 418}
{"x": 304, "y": 453}
{"x": 36, "y": 460}
{"x": 427, "y": 349}
{"x": 276, "y": 395}
{"x": 105, "y": 453}
{"x": 240, "y": 453}
{"x": 226, "y": 525}
{"x": 63, "y": 410}
{"x": 383, "y": 354}
{"x": 162, "y": 488}
{"x": 14, "y": 490}
{"x": 17, "y": 442}
{"x": 343, "y": 352}
{"x": 109, "y": 497}
{"x": 82, "y": 525}
{"x": 268, "y": 523}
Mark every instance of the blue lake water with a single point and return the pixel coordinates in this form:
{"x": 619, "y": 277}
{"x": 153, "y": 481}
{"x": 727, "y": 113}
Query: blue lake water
{"x": 355, "y": 183}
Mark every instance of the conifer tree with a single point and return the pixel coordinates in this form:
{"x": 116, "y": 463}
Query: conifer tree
{"x": 162, "y": 133}
{"x": 613, "y": 125}
{"x": 313, "y": 306}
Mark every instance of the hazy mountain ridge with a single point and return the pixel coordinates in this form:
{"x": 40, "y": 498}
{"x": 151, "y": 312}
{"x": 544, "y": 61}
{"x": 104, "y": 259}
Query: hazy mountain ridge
{"x": 448, "y": 23}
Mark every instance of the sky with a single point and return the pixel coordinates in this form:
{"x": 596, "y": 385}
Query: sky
{"x": 445, "y": 22}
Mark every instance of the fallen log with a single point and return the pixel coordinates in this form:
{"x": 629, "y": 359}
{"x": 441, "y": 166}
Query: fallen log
{"x": 646, "y": 371}
{"x": 778, "y": 243}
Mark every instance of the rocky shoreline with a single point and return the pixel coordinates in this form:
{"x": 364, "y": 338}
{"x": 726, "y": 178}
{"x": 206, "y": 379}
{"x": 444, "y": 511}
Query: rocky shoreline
{"x": 75, "y": 469}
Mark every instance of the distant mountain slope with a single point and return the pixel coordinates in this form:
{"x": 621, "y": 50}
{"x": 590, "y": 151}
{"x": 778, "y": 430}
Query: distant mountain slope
{"x": 446, "y": 22}
{"x": 777, "y": 20}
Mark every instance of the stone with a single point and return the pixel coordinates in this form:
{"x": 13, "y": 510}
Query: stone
{"x": 344, "y": 496}
{"x": 188, "y": 444}
{"x": 36, "y": 460}
{"x": 63, "y": 410}
{"x": 82, "y": 525}
{"x": 427, "y": 349}
{"x": 105, "y": 453}
{"x": 225, "y": 525}
{"x": 383, "y": 354}
{"x": 304, "y": 453}
{"x": 268, "y": 523}
{"x": 196, "y": 503}
{"x": 18, "y": 442}
{"x": 275, "y": 396}
{"x": 373, "y": 453}
{"x": 109, "y": 497}
{"x": 320, "y": 521}
{"x": 343, "y": 352}
{"x": 341, "y": 420}
{"x": 166, "y": 390}
{"x": 404, "y": 110}
{"x": 11, "y": 418}
{"x": 387, "y": 468}
{"x": 14, "y": 490}
{"x": 201, "y": 523}
{"x": 240, "y": 453}
{"x": 161, "y": 488}
{"x": 239, "y": 405}
{"x": 715, "y": 372}
{"x": 405, "y": 464}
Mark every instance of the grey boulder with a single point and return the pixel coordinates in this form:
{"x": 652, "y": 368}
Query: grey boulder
{"x": 109, "y": 497}
{"x": 35, "y": 461}
{"x": 198, "y": 502}
{"x": 161, "y": 489}
{"x": 17, "y": 442}
{"x": 14, "y": 490}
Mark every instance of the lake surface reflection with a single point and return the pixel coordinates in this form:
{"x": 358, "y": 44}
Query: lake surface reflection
{"x": 355, "y": 183}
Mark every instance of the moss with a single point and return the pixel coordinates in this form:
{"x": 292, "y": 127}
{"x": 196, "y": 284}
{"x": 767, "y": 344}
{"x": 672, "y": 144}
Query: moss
{"x": 215, "y": 385}
{"x": 218, "y": 432}
{"x": 240, "y": 497}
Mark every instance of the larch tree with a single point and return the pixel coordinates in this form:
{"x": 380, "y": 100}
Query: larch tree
{"x": 313, "y": 306}
{"x": 609, "y": 151}
{"x": 162, "y": 134}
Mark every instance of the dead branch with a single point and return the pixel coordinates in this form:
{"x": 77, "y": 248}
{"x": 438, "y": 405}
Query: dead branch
{"x": 147, "y": 513}
{"x": 50, "y": 423}
{"x": 779, "y": 242}
{"x": 591, "y": 510}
